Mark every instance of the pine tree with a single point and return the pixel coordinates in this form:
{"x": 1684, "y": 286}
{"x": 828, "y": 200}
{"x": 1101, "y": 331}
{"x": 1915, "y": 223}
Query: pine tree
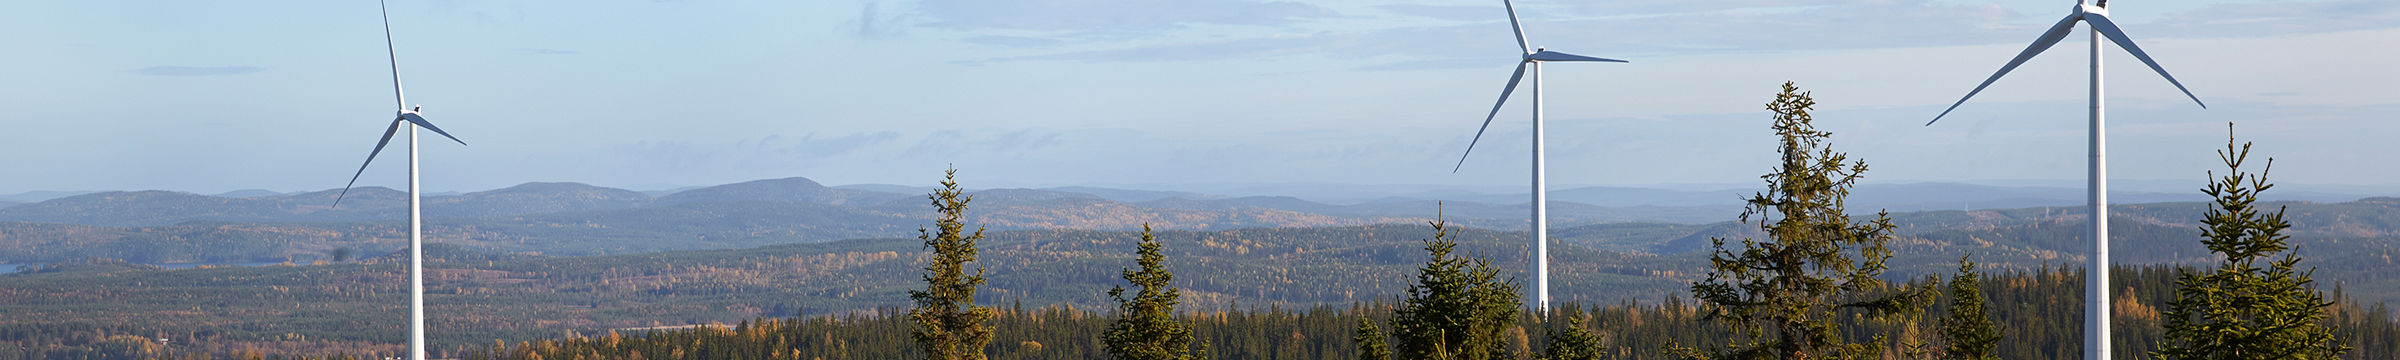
{"x": 1370, "y": 342}
{"x": 948, "y": 324}
{"x": 1969, "y": 331}
{"x": 1570, "y": 341}
{"x": 2241, "y": 310}
{"x": 1458, "y": 309}
{"x": 1145, "y": 328}
{"x": 1781, "y": 296}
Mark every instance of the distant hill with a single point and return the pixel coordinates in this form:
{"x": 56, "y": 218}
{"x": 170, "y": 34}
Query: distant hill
{"x": 580, "y": 219}
{"x": 1219, "y": 268}
{"x": 39, "y": 196}
{"x": 1246, "y": 202}
{"x": 537, "y": 198}
{"x": 896, "y": 189}
{"x": 153, "y": 208}
{"x": 139, "y": 208}
{"x": 1133, "y": 196}
{"x": 503, "y": 296}
{"x": 248, "y": 193}
{"x": 793, "y": 190}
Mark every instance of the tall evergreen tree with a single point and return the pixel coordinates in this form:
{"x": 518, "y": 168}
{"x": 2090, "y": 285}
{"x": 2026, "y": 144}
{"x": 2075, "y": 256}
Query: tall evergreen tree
{"x": 948, "y": 324}
{"x": 1369, "y": 339}
{"x": 1969, "y": 332}
{"x": 1781, "y": 296}
{"x": 1145, "y": 328}
{"x": 1570, "y": 341}
{"x": 1458, "y": 309}
{"x": 2242, "y": 310}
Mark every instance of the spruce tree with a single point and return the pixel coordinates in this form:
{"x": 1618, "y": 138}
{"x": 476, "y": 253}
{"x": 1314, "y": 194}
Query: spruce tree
{"x": 1458, "y": 309}
{"x": 2241, "y": 309}
{"x": 1370, "y": 341}
{"x": 1145, "y": 328}
{"x": 948, "y": 324}
{"x": 1570, "y": 341}
{"x": 1969, "y": 332}
{"x": 1781, "y": 296}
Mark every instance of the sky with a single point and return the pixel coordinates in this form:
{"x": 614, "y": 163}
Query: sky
{"x": 290, "y": 95}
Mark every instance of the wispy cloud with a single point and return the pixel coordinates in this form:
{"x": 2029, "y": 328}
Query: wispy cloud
{"x": 1734, "y": 26}
{"x": 812, "y": 146}
{"x": 948, "y": 143}
{"x": 1849, "y": 25}
{"x": 875, "y": 23}
{"x": 1196, "y": 51}
{"x": 1446, "y": 12}
{"x": 2278, "y": 18}
{"x": 1112, "y": 17}
{"x": 172, "y": 70}
{"x": 1647, "y": 8}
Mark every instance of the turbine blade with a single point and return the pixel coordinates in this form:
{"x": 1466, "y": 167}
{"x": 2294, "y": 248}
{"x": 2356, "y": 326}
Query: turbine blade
{"x": 1513, "y": 26}
{"x": 1487, "y": 119}
{"x": 397, "y": 99}
{"x": 420, "y": 121}
{"x": 362, "y": 167}
{"x": 1547, "y": 55}
{"x": 2056, "y": 33}
{"x": 2109, "y": 28}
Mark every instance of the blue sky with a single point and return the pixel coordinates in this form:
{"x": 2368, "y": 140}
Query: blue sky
{"x": 290, "y": 95}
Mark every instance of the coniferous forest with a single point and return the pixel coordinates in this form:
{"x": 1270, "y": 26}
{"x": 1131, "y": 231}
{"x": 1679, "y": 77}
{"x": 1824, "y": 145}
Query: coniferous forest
{"x": 2038, "y": 312}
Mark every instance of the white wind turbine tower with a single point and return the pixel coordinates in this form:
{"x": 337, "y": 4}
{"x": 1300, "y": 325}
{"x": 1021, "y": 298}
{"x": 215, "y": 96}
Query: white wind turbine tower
{"x": 416, "y": 223}
{"x": 2095, "y": 306}
{"x": 1532, "y": 58}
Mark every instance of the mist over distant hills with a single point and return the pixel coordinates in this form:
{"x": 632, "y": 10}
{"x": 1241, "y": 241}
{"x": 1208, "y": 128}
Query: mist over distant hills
{"x": 37, "y": 196}
{"x": 1063, "y": 245}
{"x": 557, "y": 218}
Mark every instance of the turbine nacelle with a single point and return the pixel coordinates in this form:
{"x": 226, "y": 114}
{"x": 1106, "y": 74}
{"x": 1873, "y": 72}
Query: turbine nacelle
{"x": 2095, "y": 15}
{"x": 1532, "y": 55}
{"x": 2081, "y": 9}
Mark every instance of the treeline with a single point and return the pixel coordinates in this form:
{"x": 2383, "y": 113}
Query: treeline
{"x": 2039, "y": 312}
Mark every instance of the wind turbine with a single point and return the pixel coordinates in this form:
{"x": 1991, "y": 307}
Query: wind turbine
{"x": 2095, "y": 306}
{"x": 1531, "y": 58}
{"x": 416, "y": 220}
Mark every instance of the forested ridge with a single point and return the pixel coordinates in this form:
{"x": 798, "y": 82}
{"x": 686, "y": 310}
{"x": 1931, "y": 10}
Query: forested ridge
{"x": 2039, "y": 311}
{"x": 1284, "y": 299}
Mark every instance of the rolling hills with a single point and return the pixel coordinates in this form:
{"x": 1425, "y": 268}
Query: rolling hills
{"x": 570, "y": 219}
{"x": 538, "y": 259}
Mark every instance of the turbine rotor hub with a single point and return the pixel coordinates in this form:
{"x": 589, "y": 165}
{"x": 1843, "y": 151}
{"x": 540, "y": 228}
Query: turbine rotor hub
{"x": 2090, "y": 9}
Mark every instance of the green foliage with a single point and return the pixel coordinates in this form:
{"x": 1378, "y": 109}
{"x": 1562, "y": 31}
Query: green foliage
{"x": 1459, "y": 307}
{"x": 1782, "y": 296}
{"x": 948, "y": 324}
{"x": 1570, "y": 341}
{"x": 1968, "y": 332}
{"x": 2241, "y": 310}
{"x": 1370, "y": 340}
{"x": 1146, "y": 328}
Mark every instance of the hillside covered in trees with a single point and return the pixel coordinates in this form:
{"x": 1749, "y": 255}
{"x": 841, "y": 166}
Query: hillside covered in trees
{"x": 479, "y": 297}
